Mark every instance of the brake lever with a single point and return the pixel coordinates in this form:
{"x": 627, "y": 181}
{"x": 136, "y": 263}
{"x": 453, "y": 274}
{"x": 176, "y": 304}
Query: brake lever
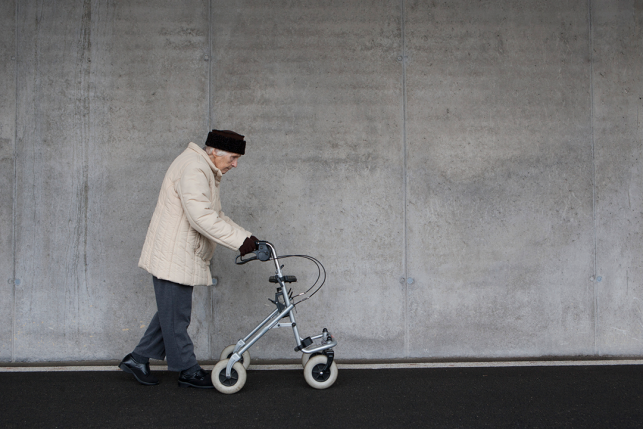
{"x": 263, "y": 251}
{"x": 240, "y": 261}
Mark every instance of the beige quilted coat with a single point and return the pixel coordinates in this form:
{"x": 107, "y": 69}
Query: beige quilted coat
{"x": 188, "y": 222}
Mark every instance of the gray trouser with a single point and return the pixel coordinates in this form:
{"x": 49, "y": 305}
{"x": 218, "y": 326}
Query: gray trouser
{"x": 167, "y": 334}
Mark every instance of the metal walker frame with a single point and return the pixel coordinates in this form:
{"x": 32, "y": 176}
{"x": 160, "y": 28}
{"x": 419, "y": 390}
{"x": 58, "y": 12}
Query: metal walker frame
{"x": 265, "y": 252}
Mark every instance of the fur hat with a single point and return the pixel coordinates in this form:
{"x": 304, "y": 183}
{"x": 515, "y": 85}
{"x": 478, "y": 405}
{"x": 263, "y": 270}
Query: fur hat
{"x": 226, "y": 140}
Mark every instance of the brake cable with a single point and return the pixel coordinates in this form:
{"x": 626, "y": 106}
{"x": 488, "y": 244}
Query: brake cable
{"x": 267, "y": 256}
{"x": 320, "y": 269}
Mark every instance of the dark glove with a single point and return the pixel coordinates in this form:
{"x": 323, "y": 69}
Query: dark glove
{"x": 249, "y": 245}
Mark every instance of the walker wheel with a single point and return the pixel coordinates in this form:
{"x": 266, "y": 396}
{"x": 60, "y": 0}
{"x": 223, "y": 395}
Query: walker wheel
{"x": 228, "y": 385}
{"x": 229, "y": 351}
{"x": 314, "y": 374}
{"x": 306, "y": 356}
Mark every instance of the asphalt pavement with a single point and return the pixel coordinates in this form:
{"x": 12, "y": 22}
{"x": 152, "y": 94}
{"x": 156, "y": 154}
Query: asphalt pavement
{"x": 516, "y": 397}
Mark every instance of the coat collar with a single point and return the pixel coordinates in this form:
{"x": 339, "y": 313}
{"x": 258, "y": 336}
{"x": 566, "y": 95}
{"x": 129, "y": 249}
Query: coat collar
{"x": 215, "y": 170}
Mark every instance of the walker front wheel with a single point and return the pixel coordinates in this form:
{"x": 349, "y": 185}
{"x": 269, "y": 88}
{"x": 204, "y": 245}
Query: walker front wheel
{"x": 228, "y": 385}
{"x": 316, "y": 376}
{"x": 227, "y": 354}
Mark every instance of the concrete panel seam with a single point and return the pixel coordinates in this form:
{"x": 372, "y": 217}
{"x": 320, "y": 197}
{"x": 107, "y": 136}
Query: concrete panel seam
{"x": 211, "y": 292}
{"x": 404, "y": 184}
{"x": 210, "y": 95}
{"x": 591, "y": 129}
{"x": 209, "y": 65}
{"x": 15, "y": 191}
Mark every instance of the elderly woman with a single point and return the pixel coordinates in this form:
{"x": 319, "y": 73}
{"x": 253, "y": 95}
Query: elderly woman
{"x": 186, "y": 226}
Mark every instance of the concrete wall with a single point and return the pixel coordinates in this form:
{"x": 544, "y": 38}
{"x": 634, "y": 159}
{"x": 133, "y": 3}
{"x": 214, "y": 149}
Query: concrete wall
{"x": 108, "y": 94}
{"x": 7, "y": 150}
{"x": 618, "y": 126}
{"x": 470, "y": 173}
{"x": 500, "y": 179}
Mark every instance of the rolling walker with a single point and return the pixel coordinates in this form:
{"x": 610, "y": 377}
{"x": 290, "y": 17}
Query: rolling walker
{"x": 320, "y": 369}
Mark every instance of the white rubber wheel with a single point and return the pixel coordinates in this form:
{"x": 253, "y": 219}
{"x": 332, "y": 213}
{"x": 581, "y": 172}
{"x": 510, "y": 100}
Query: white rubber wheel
{"x": 234, "y": 383}
{"x": 305, "y": 357}
{"x": 227, "y": 354}
{"x": 313, "y": 375}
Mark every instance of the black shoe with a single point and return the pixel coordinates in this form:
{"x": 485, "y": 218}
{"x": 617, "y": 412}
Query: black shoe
{"x": 199, "y": 379}
{"x": 140, "y": 371}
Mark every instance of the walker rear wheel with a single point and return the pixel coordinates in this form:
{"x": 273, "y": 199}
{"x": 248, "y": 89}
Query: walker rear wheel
{"x": 228, "y": 385}
{"x": 315, "y": 375}
{"x": 227, "y": 354}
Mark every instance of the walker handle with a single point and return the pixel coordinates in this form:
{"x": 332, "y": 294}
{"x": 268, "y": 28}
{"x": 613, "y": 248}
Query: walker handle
{"x": 262, "y": 253}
